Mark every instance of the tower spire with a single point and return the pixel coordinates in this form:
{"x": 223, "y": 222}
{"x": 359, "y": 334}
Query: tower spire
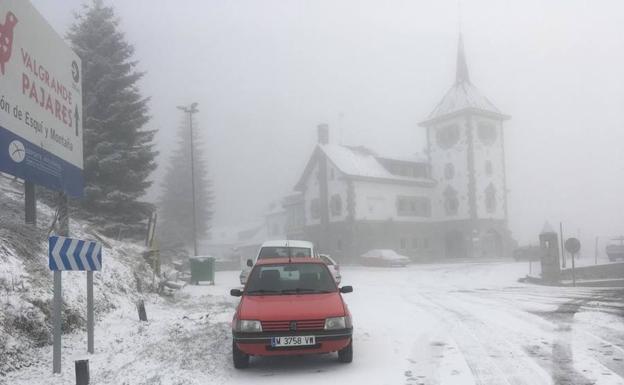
{"x": 462, "y": 68}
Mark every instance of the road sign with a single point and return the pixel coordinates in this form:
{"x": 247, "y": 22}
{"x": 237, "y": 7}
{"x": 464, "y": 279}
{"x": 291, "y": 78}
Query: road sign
{"x": 572, "y": 245}
{"x": 74, "y": 254}
{"x": 67, "y": 254}
{"x": 40, "y": 101}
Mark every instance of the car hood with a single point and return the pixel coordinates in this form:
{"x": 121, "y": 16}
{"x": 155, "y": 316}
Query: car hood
{"x": 291, "y": 307}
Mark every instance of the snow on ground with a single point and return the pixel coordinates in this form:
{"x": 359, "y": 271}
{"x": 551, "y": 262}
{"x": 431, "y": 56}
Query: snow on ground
{"x": 26, "y": 281}
{"x": 468, "y": 323}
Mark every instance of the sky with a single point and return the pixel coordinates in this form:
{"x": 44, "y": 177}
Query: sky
{"x": 264, "y": 74}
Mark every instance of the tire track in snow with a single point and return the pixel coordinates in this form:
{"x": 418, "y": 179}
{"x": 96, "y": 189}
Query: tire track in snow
{"x": 505, "y": 362}
{"x": 485, "y": 371}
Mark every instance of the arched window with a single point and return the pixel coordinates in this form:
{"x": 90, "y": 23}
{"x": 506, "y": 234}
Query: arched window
{"x": 449, "y": 171}
{"x": 336, "y": 205}
{"x": 487, "y": 133}
{"x": 451, "y": 203}
{"x": 447, "y": 136}
{"x": 488, "y": 167}
{"x": 490, "y": 198}
{"x": 315, "y": 208}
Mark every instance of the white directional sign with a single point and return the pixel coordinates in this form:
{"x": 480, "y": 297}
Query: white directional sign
{"x": 74, "y": 254}
{"x": 40, "y": 101}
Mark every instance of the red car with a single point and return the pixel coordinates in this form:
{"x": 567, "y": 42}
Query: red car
{"x": 291, "y": 307}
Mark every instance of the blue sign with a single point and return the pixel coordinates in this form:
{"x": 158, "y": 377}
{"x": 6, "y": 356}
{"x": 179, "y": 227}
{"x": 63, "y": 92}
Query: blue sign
{"x": 30, "y": 162}
{"x": 74, "y": 254}
{"x": 41, "y": 123}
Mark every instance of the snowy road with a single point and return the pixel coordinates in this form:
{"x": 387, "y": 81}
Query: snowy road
{"x": 427, "y": 324}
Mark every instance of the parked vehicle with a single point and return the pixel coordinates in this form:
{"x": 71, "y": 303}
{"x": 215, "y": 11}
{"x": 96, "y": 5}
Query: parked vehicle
{"x": 333, "y": 266}
{"x": 291, "y": 306}
{"x": 615, "y": 251}
{"x": 527, "y": 253}
{"x": 383, "y": 257}
{"x": 279, "y": 249}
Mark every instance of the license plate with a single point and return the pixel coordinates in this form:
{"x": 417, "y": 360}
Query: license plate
{"x": 293, "y": 341}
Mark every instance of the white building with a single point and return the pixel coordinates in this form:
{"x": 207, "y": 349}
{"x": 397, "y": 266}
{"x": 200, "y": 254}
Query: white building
{"x": 451, "y": 202}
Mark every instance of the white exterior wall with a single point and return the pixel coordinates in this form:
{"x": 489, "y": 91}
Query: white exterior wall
{"x": 311, "y": 192}
{"x": 458, "y": 156}
{"x": 495, "y": 154}
{"x": 338, "y": 185}
{"x": 276, "y": 225}
{"x": 376, "y": 201}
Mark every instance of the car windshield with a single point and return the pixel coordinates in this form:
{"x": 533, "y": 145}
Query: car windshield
{"x": 290, "y": 278}
{"x": 284, "y": 252}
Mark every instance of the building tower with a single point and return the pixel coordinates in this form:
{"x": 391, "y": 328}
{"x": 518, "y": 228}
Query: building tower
{"x": 467, "y": 157}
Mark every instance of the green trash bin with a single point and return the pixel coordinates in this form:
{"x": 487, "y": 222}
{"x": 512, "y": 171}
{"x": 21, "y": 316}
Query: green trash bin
{"x": 202, "y": 269}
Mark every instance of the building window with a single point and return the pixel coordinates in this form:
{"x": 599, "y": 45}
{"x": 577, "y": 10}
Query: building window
{"x": 408, "y": 206}
{"x": 426, "y": 243}
{"x": 414, "y": 243}
{"x": 488, "y": 168}
{"x": 451, "y": 203}
{"x": 447, "y": 136}
{"x": 315, "y": 208}
{"x": 487, "y": 133}
{"x": 449, "y": 171}
{"x": 403, "y": 243}
{"x": 336, "y": 205}
{"x": 490, "y": 198}
{"x": 339, "y": 244}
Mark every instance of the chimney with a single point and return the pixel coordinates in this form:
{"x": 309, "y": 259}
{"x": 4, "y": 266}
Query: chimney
{"x": 323, "y": 133}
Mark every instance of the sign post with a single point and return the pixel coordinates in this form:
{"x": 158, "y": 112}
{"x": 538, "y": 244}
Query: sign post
{"x": 57, "y": 330}
{"x": 90, "y": 325}
{"x": 69, "y": 254}
{"x": 573, "y": 246}
{"x": 41, "y": 130}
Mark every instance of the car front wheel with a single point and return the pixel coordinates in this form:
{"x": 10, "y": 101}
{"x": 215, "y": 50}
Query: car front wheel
{"x": 346, "y": 355}
{"x": 240, "y": 359}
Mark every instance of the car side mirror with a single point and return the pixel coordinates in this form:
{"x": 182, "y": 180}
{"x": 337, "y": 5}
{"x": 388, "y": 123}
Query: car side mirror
{"x": 249, "y": 263}
{"x": 236, "y": 292}
{"x": 346, "y": 289}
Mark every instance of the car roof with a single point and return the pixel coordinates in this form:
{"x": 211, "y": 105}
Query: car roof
{"x": 288, "y": 243}
{"x": 281, "y": 261}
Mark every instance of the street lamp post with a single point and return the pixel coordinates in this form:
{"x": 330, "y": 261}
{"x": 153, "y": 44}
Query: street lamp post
{"x": 190, "y": 111}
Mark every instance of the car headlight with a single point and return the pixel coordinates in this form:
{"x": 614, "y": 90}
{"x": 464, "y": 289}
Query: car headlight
{"x": 249, "y": 326}
{"x": 334, "y": 323}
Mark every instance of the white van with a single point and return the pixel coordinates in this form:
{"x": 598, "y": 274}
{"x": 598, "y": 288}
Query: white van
{"x": 280, "y": 249}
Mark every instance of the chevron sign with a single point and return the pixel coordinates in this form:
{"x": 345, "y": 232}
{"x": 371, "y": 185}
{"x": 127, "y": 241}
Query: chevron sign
{"x": 74, "y": 254}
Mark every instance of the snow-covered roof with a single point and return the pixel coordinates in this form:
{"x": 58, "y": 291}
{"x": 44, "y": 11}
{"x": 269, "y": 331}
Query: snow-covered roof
{"x": 360, "y": 162}
{"x": 354, "y": 161}
{"x": 463, "y": 95}
{"x": 414, "y": 158}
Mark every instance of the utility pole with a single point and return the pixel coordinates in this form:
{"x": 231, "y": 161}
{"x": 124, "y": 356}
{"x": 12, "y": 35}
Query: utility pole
{"x": 563, "y": 256}
{"x": 192, "y": 109}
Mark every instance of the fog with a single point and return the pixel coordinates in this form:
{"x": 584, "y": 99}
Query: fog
{"x": 265, "y": 73}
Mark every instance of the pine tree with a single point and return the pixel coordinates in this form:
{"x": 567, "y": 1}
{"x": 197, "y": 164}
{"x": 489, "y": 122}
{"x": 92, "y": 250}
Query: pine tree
{"x": 175, "y": 207}
{"x": 118, "y": 150}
